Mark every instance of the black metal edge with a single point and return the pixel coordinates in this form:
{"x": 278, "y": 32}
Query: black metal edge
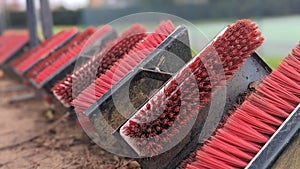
{"x": 69, "y": 66}
{"x": 161, "y": 75}
{"x": 64, "y": 42}
{"x": 16, "y": 53}
{"x": 124, "y": 144}
{"x": 94, "y": 108}
{"x": 257, "y": 57}
{"x": 276, "y": 144}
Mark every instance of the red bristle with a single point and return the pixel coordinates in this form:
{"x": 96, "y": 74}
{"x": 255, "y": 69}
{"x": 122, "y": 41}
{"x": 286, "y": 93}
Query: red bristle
{"x": 255, "y": 123}
{"x": 258, "y": 114}
{"x": 247, "y": 132}
{"x": 218, "y": 154}
{"x": 285, "y": 82}
{"x": 10, "y": 43}
{"x": 229, "y": 149}
{"x": 101, "y": 62}
{"x": 225, "y": 48}
{"x": 17, "y": 61}
{"x": 65, "y": 53}
{"x": 212, "y": 162}
{"x": 270, "y": 97}
{"x": 233, "y": 139}
{"x": 273, "y": 86}
{"x": 290, "y": 71}
{"x": 271, "y": 109}
{"x": 71, "y": 51}
{"x": 42, "y": 50}
{"x": 129, "y": 61}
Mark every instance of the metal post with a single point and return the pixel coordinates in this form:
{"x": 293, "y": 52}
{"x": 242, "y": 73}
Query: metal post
{"x": 2, "y": 21}
{"x": 46, "y": 18}
{"x": 31, "y": 23}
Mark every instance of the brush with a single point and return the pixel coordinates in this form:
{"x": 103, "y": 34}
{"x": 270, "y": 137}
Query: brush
{"x": 94, "y": 44}
{"x": 142, "y": 79}
{"x": 169, "y": 111}
{"x": 82, "y": 77}
{"x": 11, "y": 44}
{"x": 56, "y": 60}
{"x": 123, "y": 66}
{"x": 248, "y": 136}
{"x": 22, "y": 64}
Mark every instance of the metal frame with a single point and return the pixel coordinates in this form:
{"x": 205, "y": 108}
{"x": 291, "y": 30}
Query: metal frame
{"x": 2, "y": 20}
{"x": 31, "y": 23}
{"x": 46, "y": 19}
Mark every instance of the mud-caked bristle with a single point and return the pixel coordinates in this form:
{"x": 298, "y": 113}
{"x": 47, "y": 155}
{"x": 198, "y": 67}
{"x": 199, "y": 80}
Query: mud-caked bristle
{"x": 195, "y": 82}
{"x": 248, "y": 128}
{"x": 41, "y": 51}
{"x": 11, "y": 43}
{"x": 102, "y": 84}
{"x": 84, "y": 75}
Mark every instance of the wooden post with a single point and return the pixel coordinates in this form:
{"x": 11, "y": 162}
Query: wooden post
{"x": 31, "y": 23}
{"x": 46, "y": 18}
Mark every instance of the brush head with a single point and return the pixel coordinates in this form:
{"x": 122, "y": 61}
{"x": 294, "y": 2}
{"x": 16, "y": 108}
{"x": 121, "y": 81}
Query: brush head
{"x": 254, "y": 123}
{"x": 169, "y": 115}
{"x": 145, "y": 69}
{"x": 11, "y": 44}
{"x": 29, "y": 59}
{"x": 85, "y": 73}
{"x": 95, "y": 43}
{"x": 64, "y": 54}
{"x": 125, "y": 65}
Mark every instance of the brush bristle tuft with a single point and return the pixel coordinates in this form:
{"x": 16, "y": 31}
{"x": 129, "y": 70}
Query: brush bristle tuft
{"x": 123, "y": 66}
{"x": 249, "y": 127}
{"x": 81, "y": 78}
{"x": 173, "y": 111}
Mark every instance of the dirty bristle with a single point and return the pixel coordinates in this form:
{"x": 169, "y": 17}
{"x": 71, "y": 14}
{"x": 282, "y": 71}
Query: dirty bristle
{"x": 178, "y": 102}
{"x": 10, "y": 43}
{"x": 41, "y": 51}
{"x": 102, "y": 84}
{"x": 57, "y": 59}
{"x": 82, "y": 77}
{"x": 255, "y": 121}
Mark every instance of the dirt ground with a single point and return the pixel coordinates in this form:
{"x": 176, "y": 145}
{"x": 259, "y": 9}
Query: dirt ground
{"x": 64, "y": 146}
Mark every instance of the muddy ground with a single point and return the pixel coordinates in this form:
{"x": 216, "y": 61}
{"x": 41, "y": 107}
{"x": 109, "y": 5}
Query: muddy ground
{"x": 65, "y": 145}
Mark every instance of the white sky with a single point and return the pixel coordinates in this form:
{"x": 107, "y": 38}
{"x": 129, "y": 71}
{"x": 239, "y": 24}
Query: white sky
{"x": 69, "y": 4}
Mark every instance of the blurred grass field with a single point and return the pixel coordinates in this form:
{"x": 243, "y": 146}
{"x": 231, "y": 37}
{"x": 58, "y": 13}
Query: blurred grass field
{"x": 273, "y": 62}
{"x": 281, "y": 34}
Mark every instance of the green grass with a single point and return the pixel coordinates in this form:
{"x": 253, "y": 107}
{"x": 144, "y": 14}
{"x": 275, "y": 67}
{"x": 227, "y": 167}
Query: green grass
{"x": 59, "y": 28}
{"x": 273, "y": 62}
{"x": 56, "y": 29}
{"x": 281, "y": 33}
{"x": 279, "y": 38}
